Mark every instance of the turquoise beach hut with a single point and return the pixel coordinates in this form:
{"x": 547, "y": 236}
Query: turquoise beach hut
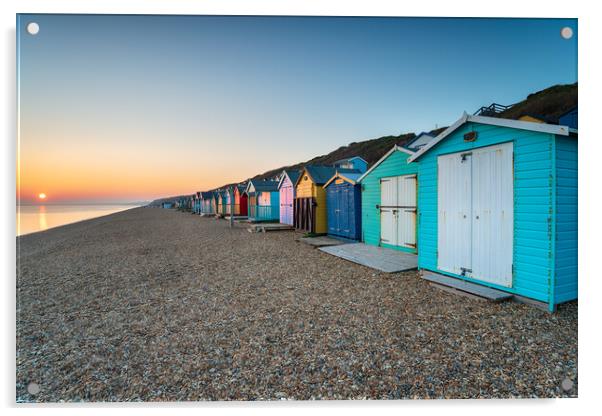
{"x": 263, "y": 200}
{"x": 197, "y": 203}
{"x": 215, "y": 202}
{"x": 389, "y": 208}
{"x": 497, "y": 205}
{"x": 206, "y": 203}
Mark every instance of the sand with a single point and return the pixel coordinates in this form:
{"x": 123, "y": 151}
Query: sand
{"x": 153, "y": 304}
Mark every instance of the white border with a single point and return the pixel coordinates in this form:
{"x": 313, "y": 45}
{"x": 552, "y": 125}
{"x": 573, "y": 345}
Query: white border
{"x": 590, "y": 68}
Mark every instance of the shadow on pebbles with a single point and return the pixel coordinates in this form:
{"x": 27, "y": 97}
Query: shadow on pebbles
{"x": 152, "y": 304}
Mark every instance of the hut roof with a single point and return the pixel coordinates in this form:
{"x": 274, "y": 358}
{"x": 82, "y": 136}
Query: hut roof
{"x": 350, "y": 158}
{"x": 419, "y": 141}
{"x": 493, "y": 121}
{"x": 395, "y": 148}
{"x": 293, "y": 176}
{"x": 351, "y": 177}
{"x": 263, "y": 186}
{"x": 321, "y": 174}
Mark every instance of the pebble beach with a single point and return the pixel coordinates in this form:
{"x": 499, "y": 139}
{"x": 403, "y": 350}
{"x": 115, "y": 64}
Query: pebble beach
{"x": 154, "y": 304}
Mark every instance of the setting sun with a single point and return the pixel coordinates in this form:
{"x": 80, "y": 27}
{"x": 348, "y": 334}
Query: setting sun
{"x": 42, "y": 196}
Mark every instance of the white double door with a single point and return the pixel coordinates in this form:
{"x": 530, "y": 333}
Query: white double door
{"x": 398, "y": 211}
{"x": 476, "y": 214}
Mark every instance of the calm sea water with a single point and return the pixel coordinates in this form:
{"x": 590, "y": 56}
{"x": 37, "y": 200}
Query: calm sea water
{"x": 33, "y": 218}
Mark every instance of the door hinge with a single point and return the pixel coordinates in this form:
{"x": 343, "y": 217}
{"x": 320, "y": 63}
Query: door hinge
{"x": 464, "y": 271}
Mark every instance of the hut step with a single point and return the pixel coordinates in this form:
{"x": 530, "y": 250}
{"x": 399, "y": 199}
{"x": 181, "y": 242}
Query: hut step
{"x": 265, "y": 227}
{"x": 474, "y": 289}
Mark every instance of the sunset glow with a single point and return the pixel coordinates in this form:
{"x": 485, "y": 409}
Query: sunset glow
{"x": 136, "y": 108}
{"x": 42, "y": 196}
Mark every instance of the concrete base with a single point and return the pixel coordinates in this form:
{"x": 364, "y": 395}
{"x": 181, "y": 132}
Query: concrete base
{"x": 322, "y": 241}
{"x": 268, "y": 226}
{"x": 237, "y": 218}
{"x": 384, "y": 259}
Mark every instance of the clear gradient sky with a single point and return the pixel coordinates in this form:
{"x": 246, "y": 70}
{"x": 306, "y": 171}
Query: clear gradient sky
{"x": 128, "y": 108}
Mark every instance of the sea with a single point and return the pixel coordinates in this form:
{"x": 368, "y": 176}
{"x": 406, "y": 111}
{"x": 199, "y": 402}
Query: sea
{"x": 34, "y": 218}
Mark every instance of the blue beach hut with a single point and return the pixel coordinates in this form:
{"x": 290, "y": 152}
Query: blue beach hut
{"x": 569, "y": 118}
{"x": 263, "y": 200}
{"x": 497, "y": 206}
{"x": 355, "y": 162}
{"x": 343, "y": 203}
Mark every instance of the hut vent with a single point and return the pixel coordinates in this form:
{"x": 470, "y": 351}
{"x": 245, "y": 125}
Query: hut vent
{"x": 470, "y": 137}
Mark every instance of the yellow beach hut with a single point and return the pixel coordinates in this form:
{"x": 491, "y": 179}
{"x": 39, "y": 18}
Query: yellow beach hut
{"x": 309, "y": 213}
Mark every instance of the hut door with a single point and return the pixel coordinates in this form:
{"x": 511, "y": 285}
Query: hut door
{"x": 454, "y": 246}
{"x": 388, "y": 219}
{"x": 286, "y": 204}
{"x": 492, "y": 214}
{"x": 345, "y": 210}
{"x": 406, "y": 213}
{"x": 476, "y": 214}
{"x": 398, "y": 211}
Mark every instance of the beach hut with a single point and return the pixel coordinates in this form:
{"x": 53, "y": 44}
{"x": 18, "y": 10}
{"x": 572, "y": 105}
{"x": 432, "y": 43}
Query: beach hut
{"x": 240, "y": 201}
{"x": 389, "y": 212}
{"x": 197, "y": 203}
{"x": 222, "y": 196}
{"x": 205, "y": 203}
{"x": 263, "y": 200}
{"x": 286, "y": 189}
{"x": 343, "y": 202}
{"x": 569, "y": 118}
{"x": 228, "y": 200}
{"x": 354, "y": 162}
{"x": 167, "y": 205}
{"x": 419, "y": 141}
{"x": 309, "y": 211}
{"x": 214, "y": 202}
{"x": 497, "y": 201}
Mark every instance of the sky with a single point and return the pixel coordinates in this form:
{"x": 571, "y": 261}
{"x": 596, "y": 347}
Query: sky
{"x": 131, "y": 108}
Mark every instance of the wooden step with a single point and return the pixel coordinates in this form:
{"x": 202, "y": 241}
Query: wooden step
{"x": 488, "y": 293}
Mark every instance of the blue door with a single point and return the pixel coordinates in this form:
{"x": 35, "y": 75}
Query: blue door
{"x": 331, "y": 206}
{"x": 342, "y": 210}
{"x": 343, "y": 196}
